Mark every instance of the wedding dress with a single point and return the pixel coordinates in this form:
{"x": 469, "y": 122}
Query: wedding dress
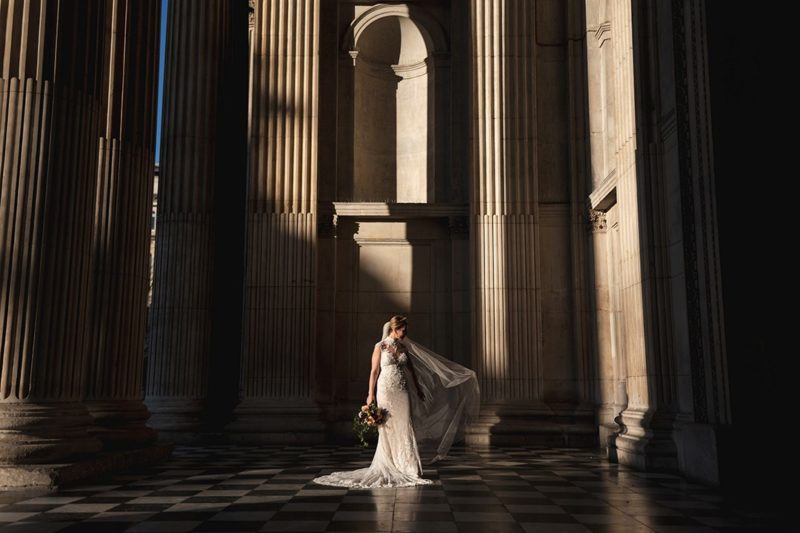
{"x": 451, "y": 400}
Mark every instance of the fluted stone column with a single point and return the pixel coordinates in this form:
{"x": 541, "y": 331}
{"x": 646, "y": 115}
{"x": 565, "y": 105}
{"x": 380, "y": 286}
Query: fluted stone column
{"x": 195, "y": 143}
{"x": 504, "y": 210}
{"x": 280, "y": 310}
{"x": 122, "y": 228}
{"x": 507, "y": 350}
{"x": 505, "y": 220}
{"x": 50, "y": 116}
{"x": 525, "y": 348}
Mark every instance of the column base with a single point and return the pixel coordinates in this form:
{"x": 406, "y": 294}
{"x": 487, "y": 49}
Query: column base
{"x": 606, "y": 433}
{"x": 608, "y": 427}
{"x": 120, "y": 424}
{"x": 645, "y": 441}
{"x": 53, "y": 476}
{"x": 534, "y": 423}
{"x": 277, "y": 421}
{"x": 45, "y": 432}
{"x": 175, "y": 420}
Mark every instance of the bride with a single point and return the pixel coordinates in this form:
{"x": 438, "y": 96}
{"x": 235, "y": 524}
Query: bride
{"x": 444, "y": 399}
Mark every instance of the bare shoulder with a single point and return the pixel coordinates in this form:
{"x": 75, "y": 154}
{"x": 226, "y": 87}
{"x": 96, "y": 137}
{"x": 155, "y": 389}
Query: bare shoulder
{"x": 376, "y": 355}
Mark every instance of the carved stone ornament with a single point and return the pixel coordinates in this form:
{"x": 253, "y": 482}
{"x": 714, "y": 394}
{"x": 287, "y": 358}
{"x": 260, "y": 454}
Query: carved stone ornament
{"x": 597, "y": 220}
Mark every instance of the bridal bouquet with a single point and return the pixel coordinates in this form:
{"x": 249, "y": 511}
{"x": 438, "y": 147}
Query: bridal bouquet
{"x": 367, "y": 420}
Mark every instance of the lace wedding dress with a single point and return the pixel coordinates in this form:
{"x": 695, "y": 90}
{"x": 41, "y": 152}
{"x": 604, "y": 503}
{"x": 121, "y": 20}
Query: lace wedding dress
{"x": 451, "y": 401}
{"x": 396, "y": 462}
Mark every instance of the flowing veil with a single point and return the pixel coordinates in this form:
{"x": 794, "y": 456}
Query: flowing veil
{"x": 452, "y": 399}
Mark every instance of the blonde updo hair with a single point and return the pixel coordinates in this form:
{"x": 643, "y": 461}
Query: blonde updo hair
{"x": 397, "y": 321}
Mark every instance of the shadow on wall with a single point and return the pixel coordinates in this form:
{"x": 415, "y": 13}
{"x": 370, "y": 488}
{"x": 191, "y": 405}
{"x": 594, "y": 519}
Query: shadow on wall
{"x": 379, "y": 274}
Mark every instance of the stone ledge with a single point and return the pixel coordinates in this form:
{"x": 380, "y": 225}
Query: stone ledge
{"x": 261, "y": 421}
{"x": 534, "y": 425}
{"x": 604, "y": 196}
{"x": 58, "y": 475}
{"x": 398, "y": 210}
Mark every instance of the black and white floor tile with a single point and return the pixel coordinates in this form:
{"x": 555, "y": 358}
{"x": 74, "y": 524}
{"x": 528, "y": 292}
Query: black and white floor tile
{"x": 269, "y": 488}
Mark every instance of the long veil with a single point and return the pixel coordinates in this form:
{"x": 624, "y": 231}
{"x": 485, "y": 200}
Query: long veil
{"x": 452, "y": 399}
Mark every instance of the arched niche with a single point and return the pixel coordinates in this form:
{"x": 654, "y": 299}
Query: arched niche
{"x": 389, "y": 140}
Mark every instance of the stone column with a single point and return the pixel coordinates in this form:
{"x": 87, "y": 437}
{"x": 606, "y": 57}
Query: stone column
{"x": 605, "y": 345}
{"x": 504, "y": 230}
{"x": 280, "y": 307}
{"x": 122, "y": 229}
{"x": 504, "y": 211}
{"x": 50, "y": 116}
{"x": 532, "y": 370}
{"x": 649, "y": 417}
{"x": 194, "y": 135}
{"x": 633, "y": 342}
{"x": 671, "y": 300}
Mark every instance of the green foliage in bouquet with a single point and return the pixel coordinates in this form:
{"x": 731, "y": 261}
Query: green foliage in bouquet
{"x": 366, "y": 422}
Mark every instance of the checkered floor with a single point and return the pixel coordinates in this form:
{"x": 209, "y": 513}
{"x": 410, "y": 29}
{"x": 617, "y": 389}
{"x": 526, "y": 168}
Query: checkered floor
{"x": 268, "y": 488}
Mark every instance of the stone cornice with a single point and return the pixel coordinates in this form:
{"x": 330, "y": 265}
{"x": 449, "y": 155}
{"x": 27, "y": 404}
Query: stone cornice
{"x": 394, "y": 210}
{"x": 605, "y": 195}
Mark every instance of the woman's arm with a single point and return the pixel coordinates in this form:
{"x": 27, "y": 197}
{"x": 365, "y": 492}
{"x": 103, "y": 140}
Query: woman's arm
{"x": 373, "y": 374}
{"x": 414, "y": 377}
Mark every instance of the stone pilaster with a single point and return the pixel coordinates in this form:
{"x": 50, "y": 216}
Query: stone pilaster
{"x": 180, "y": 341}
{"x": 649, "y": 418}
{"x": 280, "y": 308}
{"x": 50, "y": 116}
{"x": 604, "y": 316}
{"x": 633, "y": 342}
{"x": 705, "y": 425}
{"x": 121, "y": 233}
{"x": 674, "y": 342}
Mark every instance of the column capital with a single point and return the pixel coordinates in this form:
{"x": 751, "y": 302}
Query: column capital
{"x": 251, "y": 17}
{"x": 597, "y": 221}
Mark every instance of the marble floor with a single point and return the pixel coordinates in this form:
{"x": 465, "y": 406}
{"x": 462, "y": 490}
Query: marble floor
{"x": 268, "y": 488}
